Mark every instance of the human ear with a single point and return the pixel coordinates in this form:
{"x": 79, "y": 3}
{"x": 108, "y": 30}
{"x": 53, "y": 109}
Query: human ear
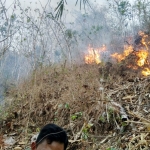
{"x": 33, "y": 146}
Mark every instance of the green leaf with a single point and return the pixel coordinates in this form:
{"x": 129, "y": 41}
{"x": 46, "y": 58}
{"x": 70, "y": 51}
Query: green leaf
{"x": 28, "y": 19}
{"x": 84, "y": 136}
{"x": 102, "y": 119}
{"x": 67, "y": 106}
{"x": 74, "y": 117}
{"x": 37, "y": 129}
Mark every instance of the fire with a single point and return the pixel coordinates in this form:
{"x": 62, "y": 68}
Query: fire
{"x": 127, "y": 51}
{"x": 93, "y": 55}
{"x": 146, "y": 72}
{"x": 142, "y": 55}
{"x": 144, "y": 37}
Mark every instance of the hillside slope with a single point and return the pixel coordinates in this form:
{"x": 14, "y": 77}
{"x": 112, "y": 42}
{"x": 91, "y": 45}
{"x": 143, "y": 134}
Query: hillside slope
{"x": 100, "y": 107}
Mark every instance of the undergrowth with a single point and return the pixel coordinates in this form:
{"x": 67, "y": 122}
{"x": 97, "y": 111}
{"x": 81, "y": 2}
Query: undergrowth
{"x": 91, "y": 102}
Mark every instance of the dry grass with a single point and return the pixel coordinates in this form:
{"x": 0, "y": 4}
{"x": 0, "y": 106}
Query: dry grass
{"x": 1, "y": 142}
{"x": 91, "y": 102}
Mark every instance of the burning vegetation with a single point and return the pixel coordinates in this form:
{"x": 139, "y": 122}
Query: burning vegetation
{"x": 141, "y": 53}
{"x": 94, "y": 55}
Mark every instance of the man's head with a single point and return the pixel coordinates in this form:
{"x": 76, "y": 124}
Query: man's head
{"x": 51, "y": 137}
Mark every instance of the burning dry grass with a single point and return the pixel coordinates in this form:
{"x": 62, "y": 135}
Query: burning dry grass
{"x": 138, "y": 53}
{"x": 99, "y": 106}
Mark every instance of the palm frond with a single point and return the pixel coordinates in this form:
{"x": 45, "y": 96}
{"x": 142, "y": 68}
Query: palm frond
{"x": 60, "y": 7}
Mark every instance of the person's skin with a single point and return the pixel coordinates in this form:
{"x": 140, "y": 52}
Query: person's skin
{"x": 45, "y": 146}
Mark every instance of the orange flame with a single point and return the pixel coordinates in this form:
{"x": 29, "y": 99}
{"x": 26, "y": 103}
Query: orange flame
{"x": 144, "y": 37}
{"x": 93, "y": 55}
{"x": 142, "y": 55}
{"x": 146, "y": 72}
{"x": 127, "y": 51}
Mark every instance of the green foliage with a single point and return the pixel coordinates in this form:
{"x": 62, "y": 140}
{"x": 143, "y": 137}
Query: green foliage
{"x": 85, "y": 135}
{"x": 76, "y": 116}
{"x": 102, "y": 119}
{"x": 85, "y": 131}
{"x": 55, "y": 119}
{"x": 67, "y": 106}
{"x": 37, "y": 129}
{"x": 69, "y": 33}
{"x": 124, "y": 124}
{"x": 28, "y": 19}
{"x": 123, "y": 8}
{"x": 13, "y": 17}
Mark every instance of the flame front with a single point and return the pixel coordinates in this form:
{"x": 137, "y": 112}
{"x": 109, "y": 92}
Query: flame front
{"x": 144, "y": 37}
{"x": 142, "y": 55}
{"x": 146, "y": 72}
{"x": 93, "y": 55}
{"x": 127, "y": 51}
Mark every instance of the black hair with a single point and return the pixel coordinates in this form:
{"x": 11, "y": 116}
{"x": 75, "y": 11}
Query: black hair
{"x": 51, "y": 133}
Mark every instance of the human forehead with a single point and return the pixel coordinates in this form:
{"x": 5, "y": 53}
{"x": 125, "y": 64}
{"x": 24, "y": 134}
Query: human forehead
{"x": 53, "y": 146}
